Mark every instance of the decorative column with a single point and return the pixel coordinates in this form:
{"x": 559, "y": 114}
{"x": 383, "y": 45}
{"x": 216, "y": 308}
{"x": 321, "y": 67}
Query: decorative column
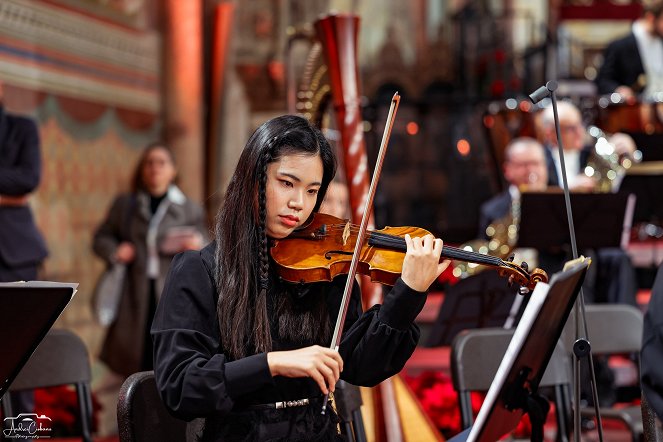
{"x": 183, "y": 85}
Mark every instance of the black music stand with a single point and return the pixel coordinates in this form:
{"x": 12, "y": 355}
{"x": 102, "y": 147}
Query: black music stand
{"x": 482, "y": 300}
{"x": 647, "y": 184}
{"x": 527, "y": 356}
{"x": 28, "y": 310}
{"x": 600, "y": 219}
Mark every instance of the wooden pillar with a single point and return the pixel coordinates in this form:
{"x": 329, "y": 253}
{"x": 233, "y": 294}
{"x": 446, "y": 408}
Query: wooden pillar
{"x": 183, "y": 85}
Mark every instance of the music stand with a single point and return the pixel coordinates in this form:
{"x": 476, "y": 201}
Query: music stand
{"x": 528, "y": 354}
{"x": 482, "y": 300}
{"x": 645, "y": 180}
{"x": 28, "y": 310}
{"x": 600, "y": 219}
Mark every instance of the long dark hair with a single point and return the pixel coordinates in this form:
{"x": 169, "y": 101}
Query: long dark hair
{"x": 242, "y": 259}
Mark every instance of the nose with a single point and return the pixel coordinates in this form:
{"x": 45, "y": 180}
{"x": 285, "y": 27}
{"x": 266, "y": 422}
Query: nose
{"x": 297, "y": 201}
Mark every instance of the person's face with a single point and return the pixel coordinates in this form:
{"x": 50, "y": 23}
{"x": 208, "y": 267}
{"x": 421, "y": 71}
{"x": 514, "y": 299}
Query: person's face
{"x": 158, "y": 171}
{"x": 572, "y": 130}
{"x": 293, "y": 183}
{"x": 526, "y": 167}
{"x": 336, "y": 202}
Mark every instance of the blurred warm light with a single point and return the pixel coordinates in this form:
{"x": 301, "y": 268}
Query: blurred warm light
{"x": 463, "y": 147}
{"x": 524, "y": 106}
{"x": 488, "y": 121}
{"x": 412, "y": 128}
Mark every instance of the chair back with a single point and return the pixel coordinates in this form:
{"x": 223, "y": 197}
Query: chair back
{"x": 60, "y": 359}
{"x": 141, "y": 414}
{"x": 475, "y": 358}
{"x": 611, "y": 329}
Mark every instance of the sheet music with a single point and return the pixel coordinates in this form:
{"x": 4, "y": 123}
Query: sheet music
{"x": 41, "y": 284}
{"x": 563, "y": 286}
{"x": 536, "y": 300}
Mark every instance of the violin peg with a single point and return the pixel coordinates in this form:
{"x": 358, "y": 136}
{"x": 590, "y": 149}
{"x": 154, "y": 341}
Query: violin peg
{"x": 511, "y": 257}
{"x": 524, "y": 266}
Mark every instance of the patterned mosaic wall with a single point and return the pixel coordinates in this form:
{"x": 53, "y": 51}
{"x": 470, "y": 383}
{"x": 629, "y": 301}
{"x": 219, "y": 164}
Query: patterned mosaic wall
{"x": 91, "y": 80}
{"x": 84, "y": 166}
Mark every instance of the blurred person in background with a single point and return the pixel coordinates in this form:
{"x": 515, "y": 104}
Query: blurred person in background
{"x": 337, "y": 200}
{"x": 634, "y": 64}
{"x": 144, "y": 229}
{"x": 524, "y": 169}
{"x": 22, "y": 247}
{"x": 577, "y": 149}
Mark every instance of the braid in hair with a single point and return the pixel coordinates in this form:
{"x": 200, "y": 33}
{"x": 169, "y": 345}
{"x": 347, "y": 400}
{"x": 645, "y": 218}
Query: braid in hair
{"x": 263, "y": 336}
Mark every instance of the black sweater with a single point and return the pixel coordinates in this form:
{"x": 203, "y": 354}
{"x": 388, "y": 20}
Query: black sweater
{"x": 197, "y": 379}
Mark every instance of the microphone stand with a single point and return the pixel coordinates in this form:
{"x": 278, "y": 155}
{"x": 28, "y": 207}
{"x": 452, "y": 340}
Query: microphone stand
{"x": 581, "y": 346}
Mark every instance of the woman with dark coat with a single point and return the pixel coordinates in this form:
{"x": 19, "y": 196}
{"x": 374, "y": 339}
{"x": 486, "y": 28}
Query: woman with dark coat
{"x": 143, "y": 230}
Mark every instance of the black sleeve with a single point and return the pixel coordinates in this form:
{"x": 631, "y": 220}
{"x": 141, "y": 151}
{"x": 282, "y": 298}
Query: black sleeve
{"x": 651, "y": 356}
{"x": 377, "y": 343}
{"x": 607, "y": 80}
{"x": 23, "y": 176}
{"x": 194, "y": 377}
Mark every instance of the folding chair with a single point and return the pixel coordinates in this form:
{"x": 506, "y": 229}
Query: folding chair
{"x": 142, "y": 416}
{"x": 60, "y": 359}
{"x": 613, "y": 329}
{"x": 475, "y": 358}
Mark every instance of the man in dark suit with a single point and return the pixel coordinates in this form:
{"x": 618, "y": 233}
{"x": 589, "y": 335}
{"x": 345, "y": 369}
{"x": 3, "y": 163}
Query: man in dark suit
{"x": 634, "y": 64}
{"x": 22, "y": 248}
{"x": 524, "y": 168}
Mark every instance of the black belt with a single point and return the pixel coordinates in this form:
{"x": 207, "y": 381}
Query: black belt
{"x": 280, "y": 405}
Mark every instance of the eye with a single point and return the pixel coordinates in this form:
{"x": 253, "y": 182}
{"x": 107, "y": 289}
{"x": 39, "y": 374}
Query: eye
{"x": 286, "y": 183}
{"x": 313, "y": 191}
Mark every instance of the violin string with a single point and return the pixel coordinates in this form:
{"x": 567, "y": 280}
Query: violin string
{"x": 397, "y": 242}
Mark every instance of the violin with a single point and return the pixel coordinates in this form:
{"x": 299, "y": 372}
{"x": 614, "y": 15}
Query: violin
{"x": 323, "y": 248}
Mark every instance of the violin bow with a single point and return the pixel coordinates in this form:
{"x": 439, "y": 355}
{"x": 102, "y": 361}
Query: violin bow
{"x": 363, "y": 227}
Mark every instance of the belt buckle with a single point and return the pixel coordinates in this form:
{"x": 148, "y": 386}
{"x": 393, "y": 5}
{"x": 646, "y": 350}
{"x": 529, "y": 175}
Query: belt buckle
{"x": 290, "y": 404}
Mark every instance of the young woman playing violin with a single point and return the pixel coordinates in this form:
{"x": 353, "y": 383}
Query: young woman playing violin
{"x": 238, "y": 346}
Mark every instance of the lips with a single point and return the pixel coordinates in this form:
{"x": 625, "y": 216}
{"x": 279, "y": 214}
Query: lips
{"x": 289, "y": 220}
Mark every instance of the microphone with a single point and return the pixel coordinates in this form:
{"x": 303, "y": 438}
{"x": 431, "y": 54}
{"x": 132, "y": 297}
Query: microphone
{"x": 581, "y": 347}
{"x": 543, "y": 92}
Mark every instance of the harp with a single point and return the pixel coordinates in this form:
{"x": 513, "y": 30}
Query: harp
{"x": 328, "y": 95}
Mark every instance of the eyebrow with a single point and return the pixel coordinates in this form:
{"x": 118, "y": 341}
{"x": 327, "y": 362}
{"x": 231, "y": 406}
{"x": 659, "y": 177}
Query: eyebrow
{"x": 296, "y": 178}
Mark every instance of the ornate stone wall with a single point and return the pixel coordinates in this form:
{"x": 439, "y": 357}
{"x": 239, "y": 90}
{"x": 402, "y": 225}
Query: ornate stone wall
{"x": 92, "y": 82}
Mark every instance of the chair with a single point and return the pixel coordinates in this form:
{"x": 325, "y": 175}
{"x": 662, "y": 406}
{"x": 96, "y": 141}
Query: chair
{"x": 475, "y": 358}
{"x": 142, "y": 416}
{"x": 60, "y": 359}
{"x": 613, "y": 329}
{"x": 347, "y": 398}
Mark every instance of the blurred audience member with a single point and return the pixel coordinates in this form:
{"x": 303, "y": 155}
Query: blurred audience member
{"x": 144, "y": 229}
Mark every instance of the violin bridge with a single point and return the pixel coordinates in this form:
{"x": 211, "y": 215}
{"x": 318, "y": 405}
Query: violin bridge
{"x": 346, "y": 233}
